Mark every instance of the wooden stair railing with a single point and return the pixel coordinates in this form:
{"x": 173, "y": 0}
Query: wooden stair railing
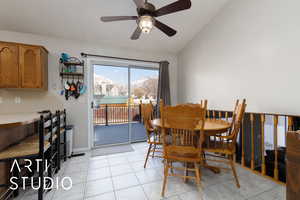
{"x": 252, "y": 152}
{"x": 293, "y": 164}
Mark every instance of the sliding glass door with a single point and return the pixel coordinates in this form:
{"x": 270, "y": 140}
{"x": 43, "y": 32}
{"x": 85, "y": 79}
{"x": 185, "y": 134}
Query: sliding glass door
{"x": 110, "y": 110}
{"x": 117, "y": 96}
{"x": 143, "y": 89}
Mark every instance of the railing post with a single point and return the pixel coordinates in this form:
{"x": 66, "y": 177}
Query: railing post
{"x": 290, "y": 123}
{"x": 140, "y": 111}
{"x": 275, "y": 147}
{"x": 263, "y": 167}
{"x": 106, "y": 115}
{"x": 243, "y": 143}
{"x": 252, "y": 141}
{"x": 94, "y": 117}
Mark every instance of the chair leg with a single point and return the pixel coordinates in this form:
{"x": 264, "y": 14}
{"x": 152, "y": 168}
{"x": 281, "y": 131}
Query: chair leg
{"x": 186, "y": 172}
{"x": 166, "y": 173}
{"x": 65, "y": 146}
{"x": 198, "y": 174}
{"x": 50, "y": 162}
{"x": 148, "y": 153}
{"x": 172, "y": 170}
{"x": 41, "y": 177}
{"x": 58, "y": 152}
{"x": 234, "y": 172}
{"x": 154, "y": 148}
{"x": 16, "y": 173}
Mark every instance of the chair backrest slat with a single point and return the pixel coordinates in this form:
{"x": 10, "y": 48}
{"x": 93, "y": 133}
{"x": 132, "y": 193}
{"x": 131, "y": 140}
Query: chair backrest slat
{"x": 237, "y": 118}
{"x": 147, "y": 116}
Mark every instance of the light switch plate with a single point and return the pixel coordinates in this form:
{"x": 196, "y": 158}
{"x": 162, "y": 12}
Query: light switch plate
{"x": 17, "y": 100}
{"x": 54, "y": 86}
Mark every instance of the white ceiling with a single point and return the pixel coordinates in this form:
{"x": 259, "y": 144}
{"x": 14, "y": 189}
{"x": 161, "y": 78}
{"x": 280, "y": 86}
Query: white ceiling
{"x": 79, "y": 20}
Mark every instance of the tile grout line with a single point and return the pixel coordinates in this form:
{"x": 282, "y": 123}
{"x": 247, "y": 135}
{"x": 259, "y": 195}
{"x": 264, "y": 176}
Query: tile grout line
{"x": 141, "y": 186}
{"x": 261, "y": 193}
{"x": 112, "y": 181}
{"x": 108, "y": 166}
{"x": 85, "y": 182}
{"x": 133, "y": 165}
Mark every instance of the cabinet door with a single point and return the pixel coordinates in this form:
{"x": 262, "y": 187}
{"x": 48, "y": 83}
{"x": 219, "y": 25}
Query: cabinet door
{"x": 9, "y": 65}
{"x": 30, "y": 66}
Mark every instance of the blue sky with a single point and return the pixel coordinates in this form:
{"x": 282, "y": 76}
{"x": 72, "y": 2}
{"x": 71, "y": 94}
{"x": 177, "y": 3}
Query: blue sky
{"x": 120, "y": 74}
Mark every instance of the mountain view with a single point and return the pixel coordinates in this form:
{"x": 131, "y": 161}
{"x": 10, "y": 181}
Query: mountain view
{"x": 145, "y": 87}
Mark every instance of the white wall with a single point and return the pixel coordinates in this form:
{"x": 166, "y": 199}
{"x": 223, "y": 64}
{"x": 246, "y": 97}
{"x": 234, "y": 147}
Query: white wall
{"x": 77, "y": 109}
{"x": 250, "y": 49}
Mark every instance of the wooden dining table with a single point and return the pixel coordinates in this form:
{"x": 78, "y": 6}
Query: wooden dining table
{"x": 211, "y": 128}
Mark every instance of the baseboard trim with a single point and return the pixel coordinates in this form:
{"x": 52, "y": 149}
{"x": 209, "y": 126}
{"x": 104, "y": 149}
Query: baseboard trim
{"x": 80, "y": 150}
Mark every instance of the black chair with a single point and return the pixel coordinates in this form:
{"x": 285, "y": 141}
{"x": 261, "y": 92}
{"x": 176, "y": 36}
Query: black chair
{"x": 55, "y": 145}
{"x": 33, "y": 147}
{"x": 63, "y": 137}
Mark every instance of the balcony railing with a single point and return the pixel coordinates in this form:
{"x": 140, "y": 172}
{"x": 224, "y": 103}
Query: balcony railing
{"x": 107, "y": 114}
{"x": 261, "y": 144}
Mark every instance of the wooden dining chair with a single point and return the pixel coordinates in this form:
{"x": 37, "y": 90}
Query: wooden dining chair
{"x": 181, "y": 142}
{"x": 153, "y": 134}
{"x": 225, "y": 145}
{"x": 203, "y": 103}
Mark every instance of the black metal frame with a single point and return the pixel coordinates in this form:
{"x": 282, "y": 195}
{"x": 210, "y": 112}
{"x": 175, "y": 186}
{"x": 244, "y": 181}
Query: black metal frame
{"x": 52, "y": 154}
{"x": 54, "y": 149}
{"x": 40, "y": 155}
{"x": 62, "y": 121}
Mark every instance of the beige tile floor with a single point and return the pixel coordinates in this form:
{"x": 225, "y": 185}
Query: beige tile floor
{"x": 122, "y": 177}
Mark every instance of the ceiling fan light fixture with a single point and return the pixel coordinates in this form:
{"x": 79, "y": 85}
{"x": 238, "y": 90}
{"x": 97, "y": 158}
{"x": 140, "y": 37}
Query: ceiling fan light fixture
{"x": 147, "y": 14}
{"x": 146, "y": 23}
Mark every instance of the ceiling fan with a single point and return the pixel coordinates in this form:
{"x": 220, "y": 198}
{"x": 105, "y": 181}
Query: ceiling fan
{"x": 147, "y": 14}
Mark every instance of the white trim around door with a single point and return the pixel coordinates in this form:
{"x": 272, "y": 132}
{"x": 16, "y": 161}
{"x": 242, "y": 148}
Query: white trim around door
{"x": 107, "y": 62}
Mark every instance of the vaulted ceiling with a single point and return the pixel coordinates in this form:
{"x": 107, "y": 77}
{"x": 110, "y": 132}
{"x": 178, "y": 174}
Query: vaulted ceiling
{"x": 79, "y": 20}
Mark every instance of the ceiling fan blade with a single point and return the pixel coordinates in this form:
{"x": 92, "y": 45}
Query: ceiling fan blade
{"x": 173, "y": 7}
{"x": 139, "y": 3}
{"x": 118, "y": 18}
{"x": 165, "y": 28}
{"x": 137, "y": 33}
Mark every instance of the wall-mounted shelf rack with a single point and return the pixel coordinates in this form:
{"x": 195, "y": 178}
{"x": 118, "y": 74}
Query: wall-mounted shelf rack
{"x": 67, "y": 74}
{"x": 72, "y": 63}
{"x": 72, "y": 70}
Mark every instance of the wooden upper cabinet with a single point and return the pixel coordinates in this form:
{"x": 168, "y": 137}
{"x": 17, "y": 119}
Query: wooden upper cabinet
{"x": 30, "y": 67}
{"x": 9, "y": 65}
{"x": 23, "y": 66}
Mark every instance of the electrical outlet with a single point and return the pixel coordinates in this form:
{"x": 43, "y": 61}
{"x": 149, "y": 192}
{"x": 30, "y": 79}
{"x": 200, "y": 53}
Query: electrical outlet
{"x": 54, "y": 86}
{"x": 17, "y": 100}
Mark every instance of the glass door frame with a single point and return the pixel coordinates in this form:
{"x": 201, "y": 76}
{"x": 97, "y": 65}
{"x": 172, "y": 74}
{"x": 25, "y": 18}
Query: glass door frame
{"x": 142, "y": 68}
{"x": 90, "y": 84}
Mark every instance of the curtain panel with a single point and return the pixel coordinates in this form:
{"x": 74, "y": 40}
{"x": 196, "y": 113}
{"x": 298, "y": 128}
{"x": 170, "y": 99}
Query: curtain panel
{"x": 163, "y": 85}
